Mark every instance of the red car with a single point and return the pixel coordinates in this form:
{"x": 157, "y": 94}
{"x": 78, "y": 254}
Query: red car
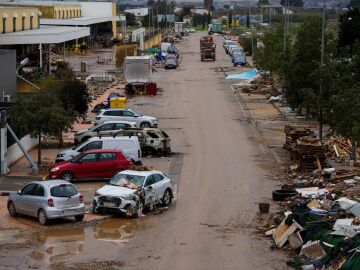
{"x": 91, "y": 164}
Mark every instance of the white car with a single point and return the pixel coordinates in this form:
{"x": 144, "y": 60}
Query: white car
{"x": 143, "y": 121}
{"x": 106, "y": 128}
{"x": 130, "y": 191}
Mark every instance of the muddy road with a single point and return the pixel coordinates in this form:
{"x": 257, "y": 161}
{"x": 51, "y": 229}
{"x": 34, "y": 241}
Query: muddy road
{"x": 221, "y": 174}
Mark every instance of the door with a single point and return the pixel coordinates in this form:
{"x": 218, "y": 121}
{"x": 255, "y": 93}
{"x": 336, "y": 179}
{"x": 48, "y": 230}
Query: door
{"x": 107, "y": 164}
{"x": 104, "y": 129}
{"x": 129, "y": 116}
{"x": 149, "y": 196}
{"x": 22, "y": 202}
{"x": 159, "y": 184}
{"x": 37, "y": 200}
{"x": 86, "y": 167}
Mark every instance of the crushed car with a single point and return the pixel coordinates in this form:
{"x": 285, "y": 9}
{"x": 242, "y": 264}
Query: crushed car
{"x": 130, "y": 191}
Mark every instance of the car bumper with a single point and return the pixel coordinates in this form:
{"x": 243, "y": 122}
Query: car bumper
{"x": 122, "y": 206}
{"x": 54, "y": 175}
{"x": 53, "y": 212}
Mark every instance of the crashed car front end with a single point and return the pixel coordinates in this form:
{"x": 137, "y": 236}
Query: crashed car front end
{"x": 127, "y": 204}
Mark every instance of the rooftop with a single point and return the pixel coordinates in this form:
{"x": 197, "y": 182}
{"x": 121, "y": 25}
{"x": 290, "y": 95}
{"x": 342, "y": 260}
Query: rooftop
{"x": 79, "y": 21}
{"x": 45, "y": 35}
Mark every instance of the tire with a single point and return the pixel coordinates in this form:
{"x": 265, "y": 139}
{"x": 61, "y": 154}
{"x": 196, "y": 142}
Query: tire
{"x": 67, "y": 176}
{"x": 12, "y": 209}
{"x": 79, "y": 218}
{"x": 148, "y": 151}
{"x": 167, "y": 198}
{"x": 139, "y": 209}
{"x": 145, "y": 125}
{"x": 43, "y": 220}
{"x": 282, "y": 194}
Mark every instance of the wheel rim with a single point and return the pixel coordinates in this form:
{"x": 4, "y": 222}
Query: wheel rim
{"x": 67, "y": 177}
{"x": 145, "y": 125}
{"x": 12, "y": 209}
{"x": 42, "y": 217}
{"x": 166, "y": 197}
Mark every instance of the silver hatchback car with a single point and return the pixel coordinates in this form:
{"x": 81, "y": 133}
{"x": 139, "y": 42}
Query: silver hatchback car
{"x": 47, "y": 200}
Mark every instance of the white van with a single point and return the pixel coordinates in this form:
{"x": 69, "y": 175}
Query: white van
{"x": 129, "y": 145}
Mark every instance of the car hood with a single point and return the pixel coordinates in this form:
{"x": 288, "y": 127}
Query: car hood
{"x": 149, "y": 117}
{"x": 116, "y": 191}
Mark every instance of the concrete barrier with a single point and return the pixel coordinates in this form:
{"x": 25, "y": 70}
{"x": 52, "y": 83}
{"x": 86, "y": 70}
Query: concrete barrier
{"x": 14, "y": 152}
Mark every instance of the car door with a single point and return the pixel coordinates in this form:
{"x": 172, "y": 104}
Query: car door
{"x": 160, "y": 184}
{"x": 107, "y": 164}
{"x": 86, "y": 167}
{"x": 23, "y": 200}
{"x": 37, "y": 200}
{"x": 150, "y": 181}
{"x": 104, "y": 129}
{"x": 129, "y": 116}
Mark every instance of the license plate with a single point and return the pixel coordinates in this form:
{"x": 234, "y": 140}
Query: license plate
{"x": 109, "y": 204}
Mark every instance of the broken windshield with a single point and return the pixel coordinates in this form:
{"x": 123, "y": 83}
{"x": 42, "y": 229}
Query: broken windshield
{"x": 127, "y": 180}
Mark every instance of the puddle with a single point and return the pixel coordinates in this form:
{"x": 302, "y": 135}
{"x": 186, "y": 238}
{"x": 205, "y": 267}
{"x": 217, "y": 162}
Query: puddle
{"x": 101, "y": 242}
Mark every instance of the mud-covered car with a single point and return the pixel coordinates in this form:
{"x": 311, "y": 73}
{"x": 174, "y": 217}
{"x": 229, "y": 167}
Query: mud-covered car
{"x": 152, "y": 140}
{"x": 129, "y": 192}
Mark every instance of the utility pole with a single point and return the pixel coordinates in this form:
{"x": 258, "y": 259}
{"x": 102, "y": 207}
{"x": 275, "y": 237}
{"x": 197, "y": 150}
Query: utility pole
{"x": 321, "y": 73}
{"x": 285, "y": 26}
{"x": 252, "y": 38}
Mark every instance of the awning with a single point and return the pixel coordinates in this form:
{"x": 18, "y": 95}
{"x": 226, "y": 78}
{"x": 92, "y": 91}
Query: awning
{"x": 44, "y": 35}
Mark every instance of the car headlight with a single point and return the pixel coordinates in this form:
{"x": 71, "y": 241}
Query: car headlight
{"x": 128, "y": 197}
{"x": 55, "y": 169}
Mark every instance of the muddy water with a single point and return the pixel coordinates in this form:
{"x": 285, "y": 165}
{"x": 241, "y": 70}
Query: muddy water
{"x": 49, "y": 248}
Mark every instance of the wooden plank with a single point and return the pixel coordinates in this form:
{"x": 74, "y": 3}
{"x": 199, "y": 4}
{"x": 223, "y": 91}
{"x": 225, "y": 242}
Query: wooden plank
{"x": 318, "y": 163}
{"x": 336, "y": 151}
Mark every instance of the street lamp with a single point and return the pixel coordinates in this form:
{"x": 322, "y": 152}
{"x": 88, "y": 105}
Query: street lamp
{"x": 23, "y": 63}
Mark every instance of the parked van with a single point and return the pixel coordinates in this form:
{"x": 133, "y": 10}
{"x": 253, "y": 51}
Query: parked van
{"x": 129, "y": 145}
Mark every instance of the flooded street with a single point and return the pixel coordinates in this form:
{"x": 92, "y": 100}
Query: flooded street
{"x": 220, "y": 170}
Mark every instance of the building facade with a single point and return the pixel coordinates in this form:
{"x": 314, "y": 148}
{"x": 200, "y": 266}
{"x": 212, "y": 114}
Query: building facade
{"x": 16, "y": 19}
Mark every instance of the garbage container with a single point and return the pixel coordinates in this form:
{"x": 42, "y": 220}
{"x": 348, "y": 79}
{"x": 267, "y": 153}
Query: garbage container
{"x": 151, "y": 89}
{"x": 118, "y": 102}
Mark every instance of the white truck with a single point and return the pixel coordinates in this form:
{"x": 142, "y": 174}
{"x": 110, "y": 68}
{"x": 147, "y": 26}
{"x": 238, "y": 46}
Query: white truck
{"x": 179, "y": 27}
{"x": 138, "y": 70}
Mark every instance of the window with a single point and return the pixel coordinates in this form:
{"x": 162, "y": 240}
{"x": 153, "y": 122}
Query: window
{"x": 113, "y": 113}
{"x": 28, "y": 189}
{"x": 63, "y": 191}
{"x": 150, "y": 180}
{"x": 158, "y": 177}
{"x": 121, "y": 126}
{"x": 88, "y": 158}
{"x": 38, "y": 191}
{"x": 104, "y": 127}
{"x": 4, "y": 25}
{"x": 153, "y": 135}
{"x": 14, "y": 24}
{"x": 106, "y": 156}
{"x": 23, "y": 23}
{"x": 31, "y": 22}
{"x": 128, "y": 114}
{"x": 91, "y": 146}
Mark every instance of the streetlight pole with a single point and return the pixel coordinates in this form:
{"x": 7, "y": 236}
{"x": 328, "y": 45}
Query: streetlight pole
{"x": 321, "y": 73}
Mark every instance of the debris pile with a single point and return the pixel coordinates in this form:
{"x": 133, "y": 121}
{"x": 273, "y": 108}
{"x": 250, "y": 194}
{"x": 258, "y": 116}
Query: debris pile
{"x": 262, "y": 84}
{"x": 305, "y": 148}
{"x": 320, "y": 219}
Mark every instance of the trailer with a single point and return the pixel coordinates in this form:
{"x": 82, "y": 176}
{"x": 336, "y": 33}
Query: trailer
{"x": 207, "y": 48}
{"x": 138, "y": 71}
{"x": 215, "y": 28}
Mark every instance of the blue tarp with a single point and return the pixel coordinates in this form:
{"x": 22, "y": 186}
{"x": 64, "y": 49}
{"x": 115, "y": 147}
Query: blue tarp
{"x": 247, "y": 75}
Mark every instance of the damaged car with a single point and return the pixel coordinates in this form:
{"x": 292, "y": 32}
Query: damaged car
{"x": 129, "y": 192}
{"x": 152, "y": 140}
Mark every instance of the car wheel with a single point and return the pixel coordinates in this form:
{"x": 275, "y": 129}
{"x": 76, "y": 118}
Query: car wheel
{"x": 67, "y": 176}
{"x": 145, "y": 125}
{"x": 12, "y": 209}
{"x": 43, "y": 220}
{"x": 139, "y": 209}
{"x": 167, "y": 198}
{"x": 79, "y": 217}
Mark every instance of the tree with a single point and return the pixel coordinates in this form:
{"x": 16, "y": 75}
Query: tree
{"x": 248, "y": 19}
{"x": 130, "y": 19}
{"x": 292, "y": 3}
{"x": 263, "y": 2}
{"x": 39, "y": 114}
{"x": 349, "y": 27}
{"x": 354, "y": 4}
{"x": 230, "y": 19}
{"x": 269, "y": 57}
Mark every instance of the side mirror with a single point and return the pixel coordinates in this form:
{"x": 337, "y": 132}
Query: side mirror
{"x": 19, "y": 192}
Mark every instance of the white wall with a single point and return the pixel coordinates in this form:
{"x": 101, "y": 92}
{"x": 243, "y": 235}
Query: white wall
{"x": 138, "y": 11}
{"x": 96, "y": 9}
{"x": 14, "y": 152}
